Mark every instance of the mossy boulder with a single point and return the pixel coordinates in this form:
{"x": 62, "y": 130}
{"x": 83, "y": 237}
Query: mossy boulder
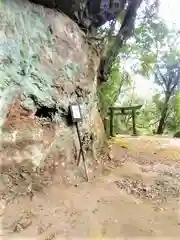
{"x": 45, "y": 64}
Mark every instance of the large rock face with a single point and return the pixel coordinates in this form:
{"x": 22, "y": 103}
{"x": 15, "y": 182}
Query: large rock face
{"x": 45, "y": 65}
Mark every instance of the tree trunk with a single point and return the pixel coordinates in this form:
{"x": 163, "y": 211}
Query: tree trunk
{"x": 162, "y": 121}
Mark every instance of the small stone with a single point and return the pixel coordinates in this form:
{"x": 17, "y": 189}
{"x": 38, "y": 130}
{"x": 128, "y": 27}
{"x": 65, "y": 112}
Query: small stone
{"x": 56, "y": 164}
{"x": 50, "y": 237}
{"x": 18, "y": 228}
{"x": 94, "y": 210}
{"x": 2, "y": 206}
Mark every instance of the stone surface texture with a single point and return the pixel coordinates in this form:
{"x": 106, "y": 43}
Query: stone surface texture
{"x": 45, "y": 64}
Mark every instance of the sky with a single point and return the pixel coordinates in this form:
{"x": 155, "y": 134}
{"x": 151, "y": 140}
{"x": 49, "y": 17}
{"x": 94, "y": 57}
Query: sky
{"x": 170, "y": 12}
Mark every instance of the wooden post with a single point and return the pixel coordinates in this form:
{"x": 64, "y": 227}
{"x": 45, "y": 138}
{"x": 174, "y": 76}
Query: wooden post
{"x": 81, "y": 152}
{"x": 134, "y": 122}
{"x": 111, "y": 122}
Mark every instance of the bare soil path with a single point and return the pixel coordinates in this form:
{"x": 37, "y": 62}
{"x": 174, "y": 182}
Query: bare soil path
{"x": 136, "y": 197}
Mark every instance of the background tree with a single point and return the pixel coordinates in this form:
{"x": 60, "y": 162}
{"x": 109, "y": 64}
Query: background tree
{"x": 154, "y": 53}
{"x": 168, "y": 78}
{"x": 173, "y": 117}
{"x": 109, "y": 91}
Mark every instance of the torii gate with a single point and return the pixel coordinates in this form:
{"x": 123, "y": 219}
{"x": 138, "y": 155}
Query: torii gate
{"x": 124, "y": 110}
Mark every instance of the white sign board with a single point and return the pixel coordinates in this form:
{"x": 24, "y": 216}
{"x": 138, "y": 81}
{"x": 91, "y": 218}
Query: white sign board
{"x": 76, "y": 112}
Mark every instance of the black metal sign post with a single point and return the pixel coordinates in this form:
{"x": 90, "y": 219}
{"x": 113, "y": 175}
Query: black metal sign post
{"x": 77, "y": 117}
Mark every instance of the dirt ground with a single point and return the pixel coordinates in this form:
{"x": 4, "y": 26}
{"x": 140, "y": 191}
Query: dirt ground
{"x": 136, "y": 197}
